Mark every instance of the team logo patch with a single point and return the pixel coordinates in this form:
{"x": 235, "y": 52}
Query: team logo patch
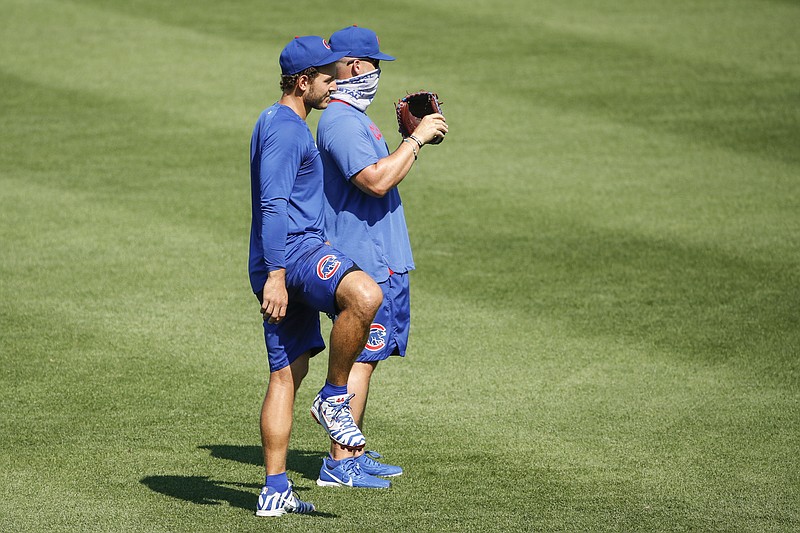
{"x": 328, "y": 266}
{"x": 377, "y": 337}
{"x": 376, "y": 132}
{"x": 325, "y": 42}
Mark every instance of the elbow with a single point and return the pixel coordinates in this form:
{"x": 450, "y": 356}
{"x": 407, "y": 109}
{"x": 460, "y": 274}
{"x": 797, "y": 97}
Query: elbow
{"x": 374, "y": 189}
{"x": 372, "y": 182}
{"x": 378, "y": 191}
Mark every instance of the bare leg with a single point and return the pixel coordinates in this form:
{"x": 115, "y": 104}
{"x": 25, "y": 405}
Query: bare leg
{"x": 357, "y": 384}
{"x": 358, "y": 297}
{"x": 276, "y": 413}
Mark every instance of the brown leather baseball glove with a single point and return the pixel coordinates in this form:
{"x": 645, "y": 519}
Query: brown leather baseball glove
{"x": 413, "y": 107}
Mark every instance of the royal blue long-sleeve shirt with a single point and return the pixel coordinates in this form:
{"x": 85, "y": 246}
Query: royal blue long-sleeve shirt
{"x": 286, "y": 190}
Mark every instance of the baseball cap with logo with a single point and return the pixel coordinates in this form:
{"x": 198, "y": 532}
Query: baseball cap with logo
{"x": 309, "y": 51}
{"x": 359, "y": 42}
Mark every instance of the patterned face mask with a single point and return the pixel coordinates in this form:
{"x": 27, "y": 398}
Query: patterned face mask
{"x": 359, "y": 90}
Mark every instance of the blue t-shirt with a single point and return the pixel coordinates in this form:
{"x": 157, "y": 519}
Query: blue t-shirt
{"x": 286, "y": 190}
{"x": 371, "y": 231}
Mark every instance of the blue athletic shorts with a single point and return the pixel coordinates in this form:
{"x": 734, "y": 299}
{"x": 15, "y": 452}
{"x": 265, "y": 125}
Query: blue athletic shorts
{"x": 388, "y": 334}
{"x": 313, "y": 273}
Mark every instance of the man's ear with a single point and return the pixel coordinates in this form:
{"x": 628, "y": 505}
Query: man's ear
{"x": 303, "y": 82}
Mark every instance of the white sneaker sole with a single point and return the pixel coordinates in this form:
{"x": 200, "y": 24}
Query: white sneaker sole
{"x": 276, "y": 512}
{"x": 321, "y": 483}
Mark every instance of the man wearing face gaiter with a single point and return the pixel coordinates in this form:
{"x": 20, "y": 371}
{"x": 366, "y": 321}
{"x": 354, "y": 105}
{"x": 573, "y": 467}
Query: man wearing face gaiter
{"x": 364, "y": 218}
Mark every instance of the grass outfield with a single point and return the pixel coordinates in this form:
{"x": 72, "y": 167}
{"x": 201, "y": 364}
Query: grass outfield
{"x": 606, "y": 311}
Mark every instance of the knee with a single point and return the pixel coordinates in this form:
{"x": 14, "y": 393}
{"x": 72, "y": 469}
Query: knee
{"x": 372, "y": 297}
{"x": 299, "y": 368}
{"x": 360, "y": 294}
{"x": 292, "y": 375}
{"x": 362, "y": 371}
{"x": 281, "y": 378}
{"x": 369, "y": 297}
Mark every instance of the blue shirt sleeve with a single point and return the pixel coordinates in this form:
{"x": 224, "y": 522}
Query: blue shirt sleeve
{"x": 350, "y": 146}
{"x": 281, "y": 155}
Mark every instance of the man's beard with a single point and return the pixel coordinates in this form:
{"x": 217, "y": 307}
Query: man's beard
{"x": 319, "y": 102}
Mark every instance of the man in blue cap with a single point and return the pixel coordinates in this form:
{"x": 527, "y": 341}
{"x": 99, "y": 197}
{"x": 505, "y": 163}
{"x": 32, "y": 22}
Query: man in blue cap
{"x": 364, "y": 218}
{"x": 296, "y": 274}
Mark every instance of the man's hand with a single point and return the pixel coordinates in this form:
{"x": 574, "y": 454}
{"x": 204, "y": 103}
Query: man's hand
{"x": 275, "y": 298}
{"x": 431, "y": 127}
{"x": 419, "y": 115}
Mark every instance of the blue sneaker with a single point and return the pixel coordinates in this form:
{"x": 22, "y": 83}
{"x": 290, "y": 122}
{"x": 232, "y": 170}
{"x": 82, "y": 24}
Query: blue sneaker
{"x": 334, "y": 415}
{"x": 347, "y": 473}
{"x": 274, "y": 503}
{"x": 370, "y": 466}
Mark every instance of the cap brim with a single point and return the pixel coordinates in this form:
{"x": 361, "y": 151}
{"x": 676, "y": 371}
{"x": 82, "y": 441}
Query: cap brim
{"x": 382, "y": 56}
{"x": 334, "y": 56}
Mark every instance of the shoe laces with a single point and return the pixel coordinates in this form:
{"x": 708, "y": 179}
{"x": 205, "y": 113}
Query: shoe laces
{"x": 352, "y": 468}
{"x": 337, "y": 408}
{"x": 369, "y": 458}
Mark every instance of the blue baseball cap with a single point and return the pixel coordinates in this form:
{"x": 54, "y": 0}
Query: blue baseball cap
{"x": 309, "y": 51}
{"x": 359, "y": 42}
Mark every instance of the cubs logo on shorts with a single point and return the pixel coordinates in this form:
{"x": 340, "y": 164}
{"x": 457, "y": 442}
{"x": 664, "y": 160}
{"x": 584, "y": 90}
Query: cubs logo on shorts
{"x": 377, "y": 338}
{"x": 327, "y": 266}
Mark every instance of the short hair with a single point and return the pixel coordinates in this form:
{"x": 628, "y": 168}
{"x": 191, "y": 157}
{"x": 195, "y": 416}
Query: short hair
{"x": 288, "y": 82}
{"x": 375, "y": 62}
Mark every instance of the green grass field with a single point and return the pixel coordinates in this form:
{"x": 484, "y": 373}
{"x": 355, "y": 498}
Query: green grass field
{"x": 606, "y": 311}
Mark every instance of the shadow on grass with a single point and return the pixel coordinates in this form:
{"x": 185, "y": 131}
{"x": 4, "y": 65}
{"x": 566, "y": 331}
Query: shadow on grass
{"x": 202, "y": 490}
{"x": 305, "y": 462}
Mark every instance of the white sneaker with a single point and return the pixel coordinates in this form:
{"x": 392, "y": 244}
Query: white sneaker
{"x": 335, "y": 416}
{"x": 274, "y": 503}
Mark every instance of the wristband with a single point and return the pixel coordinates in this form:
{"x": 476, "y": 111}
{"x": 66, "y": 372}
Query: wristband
{"x": 412, "y": 147}
{"x": 416, "y": 140}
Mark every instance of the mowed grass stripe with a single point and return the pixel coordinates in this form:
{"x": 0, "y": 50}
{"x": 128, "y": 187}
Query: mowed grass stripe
{"x": 709, "y": 100}
{"x": 611, "y": 282}
{"x": 123, "y": 154}
{"x": 550, "y": 351}
{"x": 109, "y": 361}
{"x": 212, "y": 81}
